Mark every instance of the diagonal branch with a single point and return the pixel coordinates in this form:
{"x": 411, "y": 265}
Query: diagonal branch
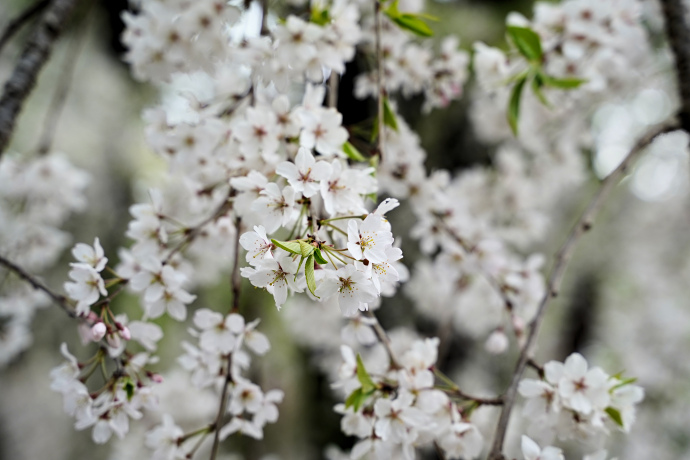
{"x": 60, "y": 300}
{"x": 24, "y": 17}
{"x": 35, "y": 54}
{"x": 563, "y": 256}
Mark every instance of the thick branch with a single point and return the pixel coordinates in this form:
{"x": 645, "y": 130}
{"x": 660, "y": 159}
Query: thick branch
{"x": 679, "y": 38}
{"x": 33, "y": 57}
{"x": 563, "y": 256}
{"x": 60, "y": 300}
{"x": 24, "y": 17}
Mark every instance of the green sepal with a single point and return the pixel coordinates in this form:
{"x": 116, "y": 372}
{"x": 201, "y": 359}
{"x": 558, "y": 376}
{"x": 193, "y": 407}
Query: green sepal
{"x": 309, "y": 275}
{"x": 615, "y": 415}
{"x": 526, "y": 41}
{"x": 514, "y": 104}
{"x": 368, "y": 385}
{"x": 318, "y": 257}
{"x": 289, "y": 246}
{"x": 389, "y": 118}
{"x": 352, "y": 152}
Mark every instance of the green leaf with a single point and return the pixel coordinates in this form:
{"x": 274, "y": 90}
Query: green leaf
{"x": 306, "y": 249}
{"x": 409, "y": 21}
{"x": 623, "y": 382}
{"x": 320, "y": 17}
{"x": 129, "y": 388}
{"x": 537, "y": 84}
{"x": 357, "y": 398}
{"x": 526, "y": 41}
{"x": 389, "y": 116}
{"x": 318, "y": 257}
{"x": 563, "y": 83}
{"x": 289, "y": 246}
{"x": 514, "y": 104}
{"x": 309, "y": 275}
{"x": 615, "y": 415}
{"x": 368, "y": 385}
{"x": 352, "y": 152}
{"x": 414, "y": 24}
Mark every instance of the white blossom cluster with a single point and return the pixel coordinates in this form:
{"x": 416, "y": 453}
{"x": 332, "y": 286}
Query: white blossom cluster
{"x": 412, "y": 68}
{"x": 403, "y": 409}
{"x": 573, "y": 400}
{"x": 37, "y": 196}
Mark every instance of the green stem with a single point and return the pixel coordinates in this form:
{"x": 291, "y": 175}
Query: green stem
{"x": 333, "y": 219}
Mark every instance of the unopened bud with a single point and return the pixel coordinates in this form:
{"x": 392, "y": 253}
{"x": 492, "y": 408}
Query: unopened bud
{"x": 98, "y": 331}
{"x": 497, "y": 342}
{"x": 125, "y": 334}
{"x": 113, "y": 340}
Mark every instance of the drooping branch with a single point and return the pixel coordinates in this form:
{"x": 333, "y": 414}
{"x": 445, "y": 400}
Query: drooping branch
{"x": 583, "y": 224}
{"x": 235, "y": 284}
{"x": 678, "y": 33}
{"x": 17, "y": 23}
{"x": 59, "y": 299}
{"x": 34, "y": 56}
{"x": 381, "y": 143}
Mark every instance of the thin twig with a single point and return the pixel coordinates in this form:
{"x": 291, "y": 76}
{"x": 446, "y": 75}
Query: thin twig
{"x": 333, "y": 90}
{"x": 384, "y": 339}
{"x": 221, "y": 409}
{"x": 63, "y": 86}
{"x": 15, "y": 24}
{"x": 563, "y": 256}
{"x": 236, "y": 283}
{"x": 192, "y": 232}
{"x": 381, "y": 143}
{"x": 60, "y": 300}
{"x": 35, "y": 54}
{"x": 675, "y": 14}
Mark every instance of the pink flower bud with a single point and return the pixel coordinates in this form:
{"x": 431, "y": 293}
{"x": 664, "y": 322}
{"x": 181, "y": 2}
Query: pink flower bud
{"x": 124, "y": 333}
{"x": 497, "y": 342}
{"x": 113, "y": 340}
{"x": 156, "y": 378}
{"x": 98, "y": 331}
{"x": 518, "y": 325}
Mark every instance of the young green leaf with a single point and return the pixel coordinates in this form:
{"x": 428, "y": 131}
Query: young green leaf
{"x": 623, "y": 383}
{"x": 306, "y": 249}
{"x": 414, "y": 24}
{"x": 309, "y": 275}
{"x": 318, "y": 257}
{"x": 615, "y": 415}
{"x": 563, "y": 83}
{"x": 320, "y": 17}
{"x": 352, "y": 152}
{"x": 514, "y": 104}
{"x": 527, "y": 42}
{"x": 537, "y": 84}
{"x": 368, "y": 385}
{"x": 389, "y": 116}
{"x": 357, "y": 398}
{"x": 289, "y": 246}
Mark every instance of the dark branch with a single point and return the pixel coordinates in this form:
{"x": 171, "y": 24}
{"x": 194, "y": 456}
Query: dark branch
{"x": 35, "y": 54}
{"x": 564, "y": 255}
{"x": 60, "y": 300}
{"x": 679, "y": 39}
{"x": 24, "y": 17}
